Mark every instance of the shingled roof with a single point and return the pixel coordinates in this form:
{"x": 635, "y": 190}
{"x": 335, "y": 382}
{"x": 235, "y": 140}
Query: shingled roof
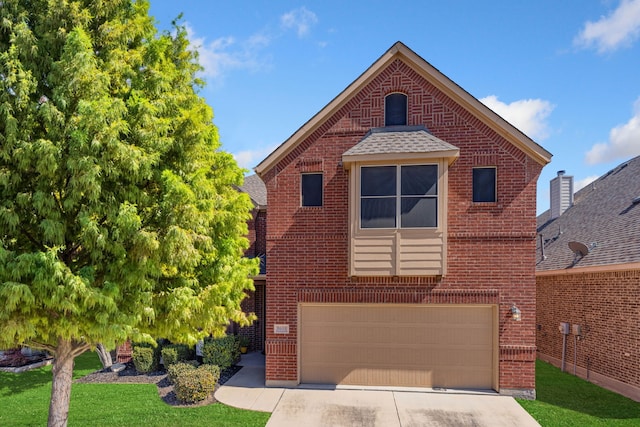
{"x": 256, "y": 189}
{"x": 605, "y": 217}
{"x": 400, "y": 140}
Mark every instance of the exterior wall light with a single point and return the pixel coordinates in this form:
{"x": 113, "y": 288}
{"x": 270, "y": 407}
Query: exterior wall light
{"x": 516, "y": 314}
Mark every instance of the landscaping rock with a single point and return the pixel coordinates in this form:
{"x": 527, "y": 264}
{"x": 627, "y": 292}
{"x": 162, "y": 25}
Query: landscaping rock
{"x": 118, "y": 367}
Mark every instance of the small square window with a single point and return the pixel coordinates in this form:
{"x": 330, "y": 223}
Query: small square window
{"x": 484, "y": 185}
{"x": 312, "y": 189}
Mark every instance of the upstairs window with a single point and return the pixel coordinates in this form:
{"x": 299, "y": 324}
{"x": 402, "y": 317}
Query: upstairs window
{"x": 395, "y": 109}
{"x": 399, "y": 196}
{"x": 311, "y": 189}
{"x": 484, "y": 185}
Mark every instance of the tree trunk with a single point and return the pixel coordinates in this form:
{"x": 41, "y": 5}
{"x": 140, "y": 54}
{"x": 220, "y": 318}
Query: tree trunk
{"x": 61, "y": 387}
{"x": 104, "y": 355}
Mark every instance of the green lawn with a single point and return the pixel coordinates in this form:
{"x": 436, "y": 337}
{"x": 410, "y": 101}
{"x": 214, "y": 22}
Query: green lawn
{"x": 24, "y": 401}
{"x": 566, "y": 400}
{"x": 562, "y": 400}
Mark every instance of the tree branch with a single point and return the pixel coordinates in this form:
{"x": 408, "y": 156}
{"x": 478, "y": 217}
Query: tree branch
{"x": 31, "y": 239}
{"x": 79, "y": 347}
{"x": 42, "y": 346}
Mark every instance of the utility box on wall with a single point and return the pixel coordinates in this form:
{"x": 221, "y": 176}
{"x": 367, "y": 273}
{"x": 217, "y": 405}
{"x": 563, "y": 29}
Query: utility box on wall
{"x": 564, "y": 328}
{"x": 576, "y": 330}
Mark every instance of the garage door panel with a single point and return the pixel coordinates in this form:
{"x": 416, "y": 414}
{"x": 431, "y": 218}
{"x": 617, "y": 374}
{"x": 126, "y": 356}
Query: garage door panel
{"x": 404, "y": 345}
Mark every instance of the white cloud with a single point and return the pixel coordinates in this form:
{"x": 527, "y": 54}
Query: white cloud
{"x": 620, "y": 27}
{"x": 624, "y": 141}
{"x": 225, "y": 53}
{"x": 528, "y": 115}
{"x": 581, "y": 183}
{"x": 301, "y": 20}
{"x": 249, "y": 159}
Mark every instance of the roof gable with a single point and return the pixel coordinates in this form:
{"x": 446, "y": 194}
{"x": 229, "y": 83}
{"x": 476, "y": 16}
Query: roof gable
{"x": 401, "y": 52}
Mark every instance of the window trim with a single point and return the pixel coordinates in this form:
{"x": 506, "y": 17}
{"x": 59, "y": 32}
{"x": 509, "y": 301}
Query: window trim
{"x": 495, "y": 185}
{"x": 399, "y": 197}
{"x": 321, "y": 189}
{"x": 406, "y": 108}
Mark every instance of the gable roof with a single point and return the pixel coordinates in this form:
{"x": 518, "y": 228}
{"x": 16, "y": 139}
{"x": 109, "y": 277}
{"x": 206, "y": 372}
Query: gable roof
{"x": 435, "y": 77}
{"x": 605, "y": 217}
{"x": 256, "y": 190}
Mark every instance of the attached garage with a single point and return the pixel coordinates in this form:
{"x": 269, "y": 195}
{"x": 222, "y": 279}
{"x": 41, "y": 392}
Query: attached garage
{"x": 452, "y": 346}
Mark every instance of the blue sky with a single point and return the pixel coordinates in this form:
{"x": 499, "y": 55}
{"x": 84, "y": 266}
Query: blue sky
{"x": 566, "y": 73}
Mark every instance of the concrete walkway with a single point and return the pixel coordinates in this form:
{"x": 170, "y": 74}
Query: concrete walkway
{"x": 365, "y": 407}
{"x": 246, "y": 389}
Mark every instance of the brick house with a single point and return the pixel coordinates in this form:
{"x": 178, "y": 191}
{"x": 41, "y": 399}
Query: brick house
{"x": 401, "y": 239}
{"x": 588, "y": 277}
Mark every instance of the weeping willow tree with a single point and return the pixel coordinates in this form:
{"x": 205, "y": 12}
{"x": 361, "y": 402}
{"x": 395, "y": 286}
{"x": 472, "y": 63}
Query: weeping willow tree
{"x": 118, "y": 214}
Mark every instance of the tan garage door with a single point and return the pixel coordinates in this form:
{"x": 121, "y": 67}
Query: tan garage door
{"x": 399, "y": 345}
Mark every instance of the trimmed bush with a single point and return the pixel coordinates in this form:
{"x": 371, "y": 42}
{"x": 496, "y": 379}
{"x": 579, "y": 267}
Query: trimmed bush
{"x": 221, "y": 351}
{"x": 145, "y": 359}
{"x": 194, "y": 385}
{"x": 213, "y": 369}
{"x": 173, "y": 371}
{"x": 173, "y": 353}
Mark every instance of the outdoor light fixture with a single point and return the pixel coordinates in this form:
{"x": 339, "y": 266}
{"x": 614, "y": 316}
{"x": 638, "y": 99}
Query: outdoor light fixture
{"x": 516, "y": 314}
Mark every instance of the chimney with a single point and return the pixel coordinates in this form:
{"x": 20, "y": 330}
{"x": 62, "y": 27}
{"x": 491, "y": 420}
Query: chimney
{"x": 561, "y": 194}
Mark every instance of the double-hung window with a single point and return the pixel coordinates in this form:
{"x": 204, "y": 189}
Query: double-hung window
{"x": 404, "y": 196}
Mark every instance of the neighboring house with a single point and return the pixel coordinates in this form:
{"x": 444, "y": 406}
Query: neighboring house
{"x": 401, "y": 239}
{"x": 255, "y": 302}
{"x": 588, "y": 277}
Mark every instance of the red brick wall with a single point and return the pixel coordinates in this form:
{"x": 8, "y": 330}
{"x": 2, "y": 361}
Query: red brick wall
{"x": 491, "y": 248}
{"x": 606, "y": 305}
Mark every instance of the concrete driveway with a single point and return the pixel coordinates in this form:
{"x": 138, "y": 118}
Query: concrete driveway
{"x": 310, "y": 407}
{"x": 305, "y": 407}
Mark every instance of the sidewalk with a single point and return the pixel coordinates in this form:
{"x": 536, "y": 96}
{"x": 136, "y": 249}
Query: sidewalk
{"x": 246, "y": 389}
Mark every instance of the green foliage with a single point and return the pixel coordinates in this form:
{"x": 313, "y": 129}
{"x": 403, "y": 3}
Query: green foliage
{"x": 24, "y": 400}
{"x": 169, "y": 356}
{"x": 213, "y": 370}
{"x": 194, "y": 385}
{"x": 243, "y": 341}
{"x": 119, "y": 217}
{"x": 145, "y": 359}
{"x": 177, "y": 368}
{"x": 222, "y": 352}
{"x": 172, "y": 353}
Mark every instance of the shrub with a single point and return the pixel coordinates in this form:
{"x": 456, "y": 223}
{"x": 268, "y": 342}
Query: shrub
{"x": 221, "y": 351}
{"x": 244, "y": 341}
{"x": 173, "y": 353}
{"x": 213, "y": 369}
{"x": 145, "y": 359}
{"x": 194, "y": 385}
{"x": 173, "y": 371}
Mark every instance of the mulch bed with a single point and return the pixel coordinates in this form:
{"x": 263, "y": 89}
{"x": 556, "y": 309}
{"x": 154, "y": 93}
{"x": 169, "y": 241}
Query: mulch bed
{"x": 165, "y": 389}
